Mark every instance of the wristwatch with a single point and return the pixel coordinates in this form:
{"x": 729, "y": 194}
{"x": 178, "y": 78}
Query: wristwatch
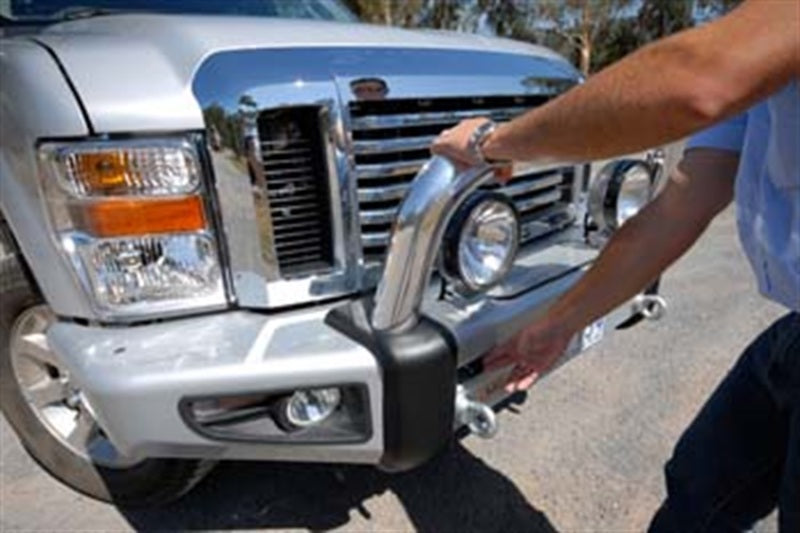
{"x": 478, "y": 137}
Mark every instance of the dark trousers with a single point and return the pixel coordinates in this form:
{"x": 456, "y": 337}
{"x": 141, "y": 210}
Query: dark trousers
{"x": 740, "y": 457}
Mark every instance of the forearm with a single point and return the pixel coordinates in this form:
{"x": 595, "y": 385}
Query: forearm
{"x": 637, "y": 254}
{"x": 622, "y": 109}
{"x": 698, "y": 189}
{"x": 663, "y": 91}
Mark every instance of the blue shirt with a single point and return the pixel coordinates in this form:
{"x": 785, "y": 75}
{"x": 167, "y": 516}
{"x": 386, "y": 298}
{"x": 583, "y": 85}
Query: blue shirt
{"x": 767, "y": 189}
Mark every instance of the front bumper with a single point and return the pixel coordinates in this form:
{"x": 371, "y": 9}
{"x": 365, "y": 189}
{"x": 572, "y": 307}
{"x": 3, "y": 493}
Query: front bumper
{"x": 135, "y": 378}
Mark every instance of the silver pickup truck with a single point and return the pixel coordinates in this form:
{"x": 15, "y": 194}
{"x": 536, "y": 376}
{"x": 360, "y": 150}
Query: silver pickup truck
{"x": 222, "y": 236}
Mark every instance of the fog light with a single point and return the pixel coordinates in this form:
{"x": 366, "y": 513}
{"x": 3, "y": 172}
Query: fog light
{"x": 311, "y": 406}
{"x": 481, "y": 241}
{"x": 621, "y": 189}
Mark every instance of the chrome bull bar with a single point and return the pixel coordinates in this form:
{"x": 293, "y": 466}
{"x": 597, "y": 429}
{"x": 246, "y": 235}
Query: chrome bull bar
{"x": 435, "y": 194}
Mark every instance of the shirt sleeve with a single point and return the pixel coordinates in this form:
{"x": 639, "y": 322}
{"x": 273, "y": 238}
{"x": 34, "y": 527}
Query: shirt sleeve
{"x": 727, "y": 135}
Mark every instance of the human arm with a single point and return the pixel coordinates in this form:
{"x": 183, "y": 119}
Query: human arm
{"x": 699, "y": 188}
{"x": 656, "y": 95}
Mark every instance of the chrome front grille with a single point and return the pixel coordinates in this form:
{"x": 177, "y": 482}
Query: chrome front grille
{"x": 292, "y": 165}
{"x": 391, "y": 140}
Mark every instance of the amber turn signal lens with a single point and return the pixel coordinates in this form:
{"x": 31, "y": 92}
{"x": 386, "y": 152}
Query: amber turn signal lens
{"x": 169, "y": 167}
{"x": 117, "y": 218}
{"x": 101, "y": 171}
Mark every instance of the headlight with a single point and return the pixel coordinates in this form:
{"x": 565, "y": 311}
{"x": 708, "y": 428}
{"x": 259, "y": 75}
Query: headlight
{"x": 481, "y": 241}
{"x": 621, "y": 189}
{"x": 131, "y": 217}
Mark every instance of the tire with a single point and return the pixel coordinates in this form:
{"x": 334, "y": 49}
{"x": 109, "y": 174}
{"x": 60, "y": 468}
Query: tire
{"x": 148, "y": 482}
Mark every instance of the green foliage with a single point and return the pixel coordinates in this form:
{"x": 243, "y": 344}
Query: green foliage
{"x": 591, "y": 33}
{"x": 390, "y": 12}
{"x": 618, "y": 39}
{"x": 659, "y": 18}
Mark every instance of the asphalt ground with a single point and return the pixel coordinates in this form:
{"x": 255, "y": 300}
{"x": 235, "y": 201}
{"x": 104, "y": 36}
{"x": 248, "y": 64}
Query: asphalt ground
{"x": 584, "y": 453}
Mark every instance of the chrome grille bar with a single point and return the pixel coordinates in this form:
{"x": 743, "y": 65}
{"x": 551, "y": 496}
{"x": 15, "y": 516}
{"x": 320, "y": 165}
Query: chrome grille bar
{"x": 429, "y": 119}
{"x": 391, "y": 142}
{"x": 400, "y": 144}
{"x": 386, "y": 170}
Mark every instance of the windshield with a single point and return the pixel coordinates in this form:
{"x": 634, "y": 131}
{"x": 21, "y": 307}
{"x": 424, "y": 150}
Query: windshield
{"x": 53, "y": 10}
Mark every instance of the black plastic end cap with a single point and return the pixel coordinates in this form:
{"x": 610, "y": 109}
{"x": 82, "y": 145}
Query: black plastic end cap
{"x": 419, "y": 381}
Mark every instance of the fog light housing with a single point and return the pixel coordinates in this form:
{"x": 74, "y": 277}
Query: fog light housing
{"x": 481, "y": 242}
{"x": 622, "y": 188}
{"x": 309, "y": 407}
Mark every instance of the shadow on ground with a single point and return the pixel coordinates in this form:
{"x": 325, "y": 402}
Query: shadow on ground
{"x": 455, "y": 492}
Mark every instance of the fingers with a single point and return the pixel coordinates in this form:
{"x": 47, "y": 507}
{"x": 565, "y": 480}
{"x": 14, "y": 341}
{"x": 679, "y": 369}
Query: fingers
{"x": 454, "y": 143}
{"x": 522, "y": 378}
{"x": 527, "y": 381}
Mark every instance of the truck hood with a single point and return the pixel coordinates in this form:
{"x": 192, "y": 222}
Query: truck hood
{"x": 135, "y": 71}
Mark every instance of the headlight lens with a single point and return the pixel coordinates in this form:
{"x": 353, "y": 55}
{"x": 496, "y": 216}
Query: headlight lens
{"x": 634, "y": 193}
{"x": 621, "y": 189}
{"x": 132, "y": 219}
{"x": 481, "y": 242}
{"x": 152, "y": 268}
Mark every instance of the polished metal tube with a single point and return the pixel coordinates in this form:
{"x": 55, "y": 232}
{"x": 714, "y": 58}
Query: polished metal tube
{"x": 436, "y": 192}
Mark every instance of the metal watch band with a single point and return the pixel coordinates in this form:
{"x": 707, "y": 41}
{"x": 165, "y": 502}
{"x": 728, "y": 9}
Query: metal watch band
{"x": 478, "y": 137}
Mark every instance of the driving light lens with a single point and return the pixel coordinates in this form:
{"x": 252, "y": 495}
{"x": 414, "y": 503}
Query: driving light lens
{"x": 485, "y": 232}
{"x": 312, "y": 406}
{"x": 634, "y": 193}
{"x": 622, "y": 188}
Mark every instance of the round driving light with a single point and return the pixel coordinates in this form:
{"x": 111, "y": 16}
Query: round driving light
{"x": 622, "y": 188}
{"x": 634, "y": 193}
{"x": 481, "y": 241}
{"x": 307, "y": 407}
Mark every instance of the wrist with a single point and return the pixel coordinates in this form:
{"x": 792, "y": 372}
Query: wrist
{"x": 492, "y": 146}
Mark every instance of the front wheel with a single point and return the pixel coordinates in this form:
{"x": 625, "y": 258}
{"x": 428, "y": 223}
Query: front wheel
{"x": 52, "y": 417}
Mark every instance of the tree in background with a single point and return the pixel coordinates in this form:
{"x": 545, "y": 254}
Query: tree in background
{"x": 592, "y": 33}
{"x": 659, "y": 18}
{"x": 655, "y": 19}
{"x": 572, "y": 26}
{"x": 389, "y": 12}
{"x": 708, "y": 9}
{"x": 580, "y": 23}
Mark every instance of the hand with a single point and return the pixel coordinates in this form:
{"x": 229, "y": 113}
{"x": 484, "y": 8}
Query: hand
{"x": 454, "y": 143}
{"x": 532, "y": 352}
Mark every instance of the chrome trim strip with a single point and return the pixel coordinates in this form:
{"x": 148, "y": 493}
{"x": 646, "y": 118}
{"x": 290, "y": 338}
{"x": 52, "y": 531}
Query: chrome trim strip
{"x": 537, "y": 201}
{"x": 388, "y": 170}
{"x": 376, "y": 239}
{"x": 416, "y": 236}
{"x": 391, "y": 192}
{"x": 378, "y": 216}
{"x": 536, "y": 183}
{"x": 400, "y": 144}
{"x": 373, "y": 122}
